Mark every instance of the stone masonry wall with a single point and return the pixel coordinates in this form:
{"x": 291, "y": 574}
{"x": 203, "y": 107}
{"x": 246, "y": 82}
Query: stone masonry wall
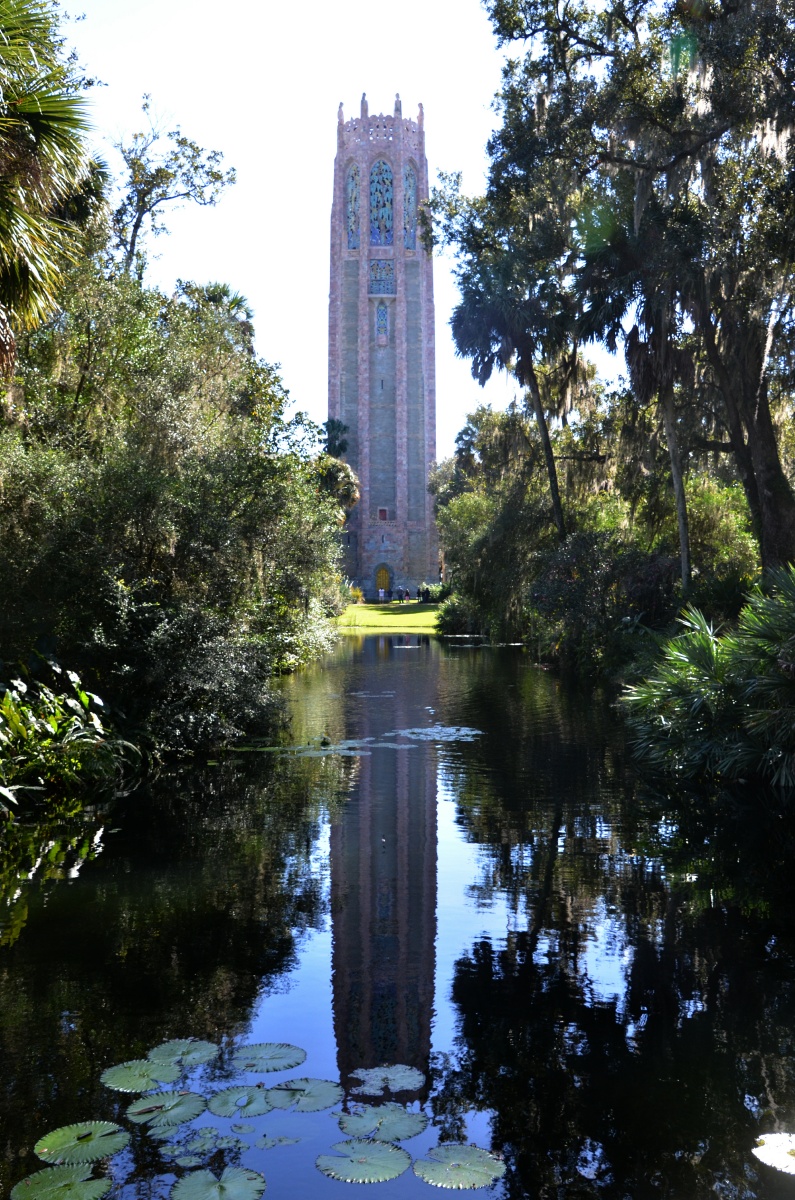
{"x": 381, "y": 355}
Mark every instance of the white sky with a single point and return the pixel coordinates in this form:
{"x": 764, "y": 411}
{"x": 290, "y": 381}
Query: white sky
{"x": 261, "y": 80}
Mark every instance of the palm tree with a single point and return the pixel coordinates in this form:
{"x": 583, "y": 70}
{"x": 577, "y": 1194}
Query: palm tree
{"x": 43, "y": 163}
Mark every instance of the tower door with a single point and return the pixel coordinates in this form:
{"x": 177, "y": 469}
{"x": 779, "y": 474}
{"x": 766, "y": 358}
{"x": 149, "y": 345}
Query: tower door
{"x": 382, "y": 579}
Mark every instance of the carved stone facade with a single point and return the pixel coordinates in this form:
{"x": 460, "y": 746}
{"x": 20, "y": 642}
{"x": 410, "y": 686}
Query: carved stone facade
{"x": 381, "y": 348}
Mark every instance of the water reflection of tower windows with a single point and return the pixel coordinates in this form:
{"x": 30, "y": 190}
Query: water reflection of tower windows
{"x": 383, "y": 888}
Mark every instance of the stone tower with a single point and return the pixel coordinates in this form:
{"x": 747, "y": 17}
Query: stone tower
{"x": 381, "y": 347}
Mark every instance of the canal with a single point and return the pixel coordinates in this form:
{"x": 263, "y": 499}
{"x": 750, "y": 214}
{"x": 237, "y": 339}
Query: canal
{"x": 449, "y": 864}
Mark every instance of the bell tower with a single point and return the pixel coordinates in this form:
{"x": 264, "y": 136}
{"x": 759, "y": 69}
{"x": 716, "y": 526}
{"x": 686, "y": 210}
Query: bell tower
{"x": 381, "y": 347}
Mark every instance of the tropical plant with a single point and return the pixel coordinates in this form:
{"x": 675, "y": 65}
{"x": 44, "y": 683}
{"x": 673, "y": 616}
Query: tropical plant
{"x": 43, "y": 164}
{"x": 54, "y": 743}
{"x": 722, "y": 705}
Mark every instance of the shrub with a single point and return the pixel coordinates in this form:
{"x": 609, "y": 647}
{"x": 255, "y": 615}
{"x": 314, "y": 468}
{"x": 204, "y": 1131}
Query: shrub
{"x": 723, "y": 705}
{"x": 54, "y": 743}
{"x": 458, "y": 614}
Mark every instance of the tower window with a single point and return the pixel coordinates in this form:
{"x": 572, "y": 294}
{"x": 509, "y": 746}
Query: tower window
{"x": 381, "y": 325}
{"x": 382, "y": 277}
{"x": 352, "y": 206}
{"x": 382, "y": 514}
{"x": 381, "y": 192}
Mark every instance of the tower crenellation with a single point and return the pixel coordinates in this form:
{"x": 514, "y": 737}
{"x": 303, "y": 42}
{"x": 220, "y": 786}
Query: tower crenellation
{"x": 381, "y": 345}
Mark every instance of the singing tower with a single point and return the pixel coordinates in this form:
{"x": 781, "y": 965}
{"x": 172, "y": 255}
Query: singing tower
{"x": 381, "y": 347}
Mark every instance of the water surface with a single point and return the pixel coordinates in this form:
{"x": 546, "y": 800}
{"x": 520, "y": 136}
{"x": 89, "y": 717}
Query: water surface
{"x": 450, "y": 866}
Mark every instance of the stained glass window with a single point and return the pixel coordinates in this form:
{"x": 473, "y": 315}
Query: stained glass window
{"x": 410, "y": 208}
{"x": 352, "y": 206}
{"x": 381, "y": 321}
{"x": 382, "y": 277}
{"x": 381, "y": 190}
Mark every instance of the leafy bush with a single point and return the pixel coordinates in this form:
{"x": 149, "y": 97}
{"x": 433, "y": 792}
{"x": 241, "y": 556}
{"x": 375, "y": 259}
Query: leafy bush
{"x": 723, "y": 705}
{"x": 458, "y": 614}
{"x": 54, "y": 742}
{"x": 164, "y": 527}
{"x": 590, "y": 592}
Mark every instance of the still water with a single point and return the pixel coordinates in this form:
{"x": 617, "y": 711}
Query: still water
{"x": 449, "y": 865}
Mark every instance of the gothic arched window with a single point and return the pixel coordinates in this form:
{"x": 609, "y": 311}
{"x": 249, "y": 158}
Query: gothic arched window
{"x": 381, "y": 191}
{"x": 381, "y": 321}
{"x": 352, "y": 206}
{"x": 410, "y": 208}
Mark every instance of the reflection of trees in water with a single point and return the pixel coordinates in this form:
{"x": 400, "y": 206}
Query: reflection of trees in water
{"x": 194, "y": 906}
{"x": 639, "y": 1097}
{"x": 658, "y": 1090}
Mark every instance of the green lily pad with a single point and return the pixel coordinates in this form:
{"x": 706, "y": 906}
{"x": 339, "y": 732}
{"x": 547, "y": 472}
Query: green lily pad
{"x": 267, "y": 1143}
{"x": 188, "y": 1160}
{"x": 166, "y": 1108}
{"x": 231, "y": 1143}
{"x": 308, "y": 1095}
{"x": 459, "y": 1167}
{"x": 388, "y": 1123}
{"x": 242, "y": 1127}
{"x": 61, "y": 1183}
{"x": 268, "y": 1056}
{"x": 140, "y": 1075}
{"x": 189, "y": 1052}
{"x": 363, "y": 1161}
{"x": 236, "y": 1183}
{"x": 205, "y": 1137}
{"x": 240, "y": 1102}
{"x": 777, "y": 1150}
{"x": 397, "y": 1078}
{"x": 82, "y": 1143}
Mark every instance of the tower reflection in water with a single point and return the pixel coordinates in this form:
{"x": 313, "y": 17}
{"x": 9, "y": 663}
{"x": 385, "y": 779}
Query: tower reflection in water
{"x": 383, "y": 883}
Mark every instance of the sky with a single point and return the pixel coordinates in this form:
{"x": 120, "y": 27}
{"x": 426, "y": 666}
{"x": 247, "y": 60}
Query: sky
{"x": 261, "y": 80}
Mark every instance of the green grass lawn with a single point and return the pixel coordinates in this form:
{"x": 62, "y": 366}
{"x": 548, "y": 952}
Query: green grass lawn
{"x": 394, "y": 618}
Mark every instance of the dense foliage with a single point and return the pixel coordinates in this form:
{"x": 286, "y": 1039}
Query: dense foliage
{"x": 586, "y": 600}
{"x": 639, "y": 196}
{"x": 165, "y": 529}
{"x": 163, "y": 523}
{"x": 721, "y": 705}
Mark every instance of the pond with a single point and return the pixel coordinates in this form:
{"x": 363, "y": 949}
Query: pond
{"x": 449, "y": 865}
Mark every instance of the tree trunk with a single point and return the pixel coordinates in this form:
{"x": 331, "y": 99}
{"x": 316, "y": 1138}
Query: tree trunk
{"x": 755, "y": 445}
{"x": 552, "y": 472}
{"x": 677, "y": 478}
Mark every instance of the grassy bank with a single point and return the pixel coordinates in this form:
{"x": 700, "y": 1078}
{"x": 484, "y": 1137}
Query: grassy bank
{"x": 389, "y": 618}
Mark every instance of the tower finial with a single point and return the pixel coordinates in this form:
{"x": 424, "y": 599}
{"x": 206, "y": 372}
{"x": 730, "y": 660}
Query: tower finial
{"x": 340, "y": 115}
{"x": 421, "y": 117}
{"x": 398, "y": 105}
{"x": 365, "y": 110}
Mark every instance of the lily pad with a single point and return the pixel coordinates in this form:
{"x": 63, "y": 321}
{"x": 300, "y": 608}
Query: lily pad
{"x": 459, "y": 1167}
{"x": 397, "y": 1078}
{"x": 242, "y": 1127}
{"x": 189, "y": 1160}
{"x": 231, "y": 1143}
{"x": 236, "y": 1183}
{"x": 240, "y": 1102}
{"x": 82, "y": 1143}
{"x": 363, "y": 1161}
{"x": 188, "y": 1052}
{"x": 777, "y": 1150}
{"x": 268, "y": 1056}
{"x": 308, "y": 1095}
{"x": 388, "y": 1123}
{"x": 166, "y": 1108}
{"x": 205, "y": 1137}
{"x": 140, "y": 1075}
{"x": 61, "y": 1183}
{"x": 267, "y": 1143}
